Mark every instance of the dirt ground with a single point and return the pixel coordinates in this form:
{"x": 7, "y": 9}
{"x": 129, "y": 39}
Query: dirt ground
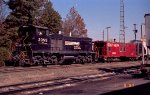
{"x": 17, "y": 75}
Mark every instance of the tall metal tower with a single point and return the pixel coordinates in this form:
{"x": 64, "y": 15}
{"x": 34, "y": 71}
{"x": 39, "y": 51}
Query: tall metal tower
{"x": 122, "y": 24}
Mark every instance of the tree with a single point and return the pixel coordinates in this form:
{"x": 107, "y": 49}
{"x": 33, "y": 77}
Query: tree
{"x": 1, "y": 17}
{"x": 74, "y": 24}
{"x": 49, "y": 17}
{"x": 4, "y": 41}
{"x": 38, "y": 12}
{"x": 22, "y": 13}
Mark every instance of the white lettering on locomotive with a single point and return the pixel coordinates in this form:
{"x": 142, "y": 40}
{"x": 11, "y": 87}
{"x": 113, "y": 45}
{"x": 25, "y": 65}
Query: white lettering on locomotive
{"x": 77, "y": 47}
{"x": 42, "y": 40}
{"x": 70, "y": 43}
{"x": 75, "y": 44}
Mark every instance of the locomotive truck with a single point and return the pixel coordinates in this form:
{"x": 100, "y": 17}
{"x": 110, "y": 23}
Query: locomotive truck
{"x": 37, "y": 45}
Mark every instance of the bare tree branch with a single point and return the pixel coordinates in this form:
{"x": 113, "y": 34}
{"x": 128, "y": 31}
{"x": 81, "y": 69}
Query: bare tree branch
{"x": 74, "y": 24}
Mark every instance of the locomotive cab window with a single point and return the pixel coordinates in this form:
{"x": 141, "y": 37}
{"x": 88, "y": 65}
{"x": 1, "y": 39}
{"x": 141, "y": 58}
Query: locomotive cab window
{"x": 41, "y": 32}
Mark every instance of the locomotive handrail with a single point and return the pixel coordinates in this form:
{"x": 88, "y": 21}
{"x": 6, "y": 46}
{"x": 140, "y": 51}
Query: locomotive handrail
{"x": 25, "y": 38}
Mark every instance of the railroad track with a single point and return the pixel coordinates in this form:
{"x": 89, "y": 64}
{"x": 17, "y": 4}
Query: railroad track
{"x": 33, "y": 68}
{"x": 39, "y": 87}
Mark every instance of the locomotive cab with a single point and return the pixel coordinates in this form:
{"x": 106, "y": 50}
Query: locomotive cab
{"x": 30, "y": 36}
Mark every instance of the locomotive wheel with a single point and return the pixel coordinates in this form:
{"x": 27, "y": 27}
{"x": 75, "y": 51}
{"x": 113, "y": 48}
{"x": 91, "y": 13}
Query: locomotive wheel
{"x": 61, "y": 60}
{"x": 54, "y": 60}
{"x": 78, "y": 60}
{"x": 109, "y": 60}
{"x": 89, "y": 59}
{"x": 84, "y": 60}
{"x": 36, "y": 62}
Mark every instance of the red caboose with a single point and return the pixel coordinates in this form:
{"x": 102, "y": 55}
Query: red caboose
{"x": 111, "y": 51}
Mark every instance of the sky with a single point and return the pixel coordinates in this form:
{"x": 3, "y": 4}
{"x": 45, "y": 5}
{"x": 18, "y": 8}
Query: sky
{"x": 99, "y": 14}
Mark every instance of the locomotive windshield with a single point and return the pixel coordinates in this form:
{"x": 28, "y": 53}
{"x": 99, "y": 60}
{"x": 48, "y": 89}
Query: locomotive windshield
{"x": 41, "y": 32}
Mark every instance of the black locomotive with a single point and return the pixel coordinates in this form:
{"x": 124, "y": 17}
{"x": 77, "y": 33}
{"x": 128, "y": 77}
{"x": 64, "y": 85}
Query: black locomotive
{"x": 37, "y": 45}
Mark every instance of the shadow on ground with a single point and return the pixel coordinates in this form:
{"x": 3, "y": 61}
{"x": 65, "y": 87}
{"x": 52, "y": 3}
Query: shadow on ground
{"x": 143, "y": 89}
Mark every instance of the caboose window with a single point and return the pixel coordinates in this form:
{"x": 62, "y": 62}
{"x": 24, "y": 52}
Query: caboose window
{"x": 109, "y": 48}
{"x": 124, "y": 49}
{"x": 121, "y": 49}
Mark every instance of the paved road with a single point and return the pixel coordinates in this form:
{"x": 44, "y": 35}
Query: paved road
{"x": 124, "y": 83}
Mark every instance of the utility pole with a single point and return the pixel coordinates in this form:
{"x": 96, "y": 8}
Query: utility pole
{"x": 107, "y": 33}
{"x": 122, "y": 23}
{"x": 142, "y": 38}
{"x": 135, "y": 31}
{"x": 103, "y": 35}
